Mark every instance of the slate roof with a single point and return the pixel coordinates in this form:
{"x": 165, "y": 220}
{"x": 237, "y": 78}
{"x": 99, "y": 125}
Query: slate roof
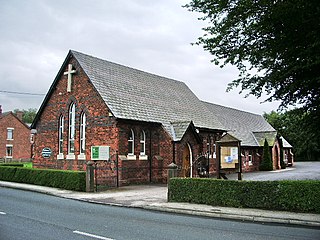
{"x": 248, "y": 127}
{"x": 138, "y": 95}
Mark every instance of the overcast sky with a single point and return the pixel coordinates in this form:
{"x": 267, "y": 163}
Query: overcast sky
{"x": 154, "y": 36}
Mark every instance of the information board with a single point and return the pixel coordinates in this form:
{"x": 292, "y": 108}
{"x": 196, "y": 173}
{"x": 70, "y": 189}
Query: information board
{"x": 229, "y": 157}
{"x": 100, "y": 153}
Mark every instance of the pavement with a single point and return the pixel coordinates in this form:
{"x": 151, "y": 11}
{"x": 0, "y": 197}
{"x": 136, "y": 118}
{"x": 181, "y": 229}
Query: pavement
{"x": 154, "y": 197}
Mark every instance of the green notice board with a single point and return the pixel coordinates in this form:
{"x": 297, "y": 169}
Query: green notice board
{"x": 100, "y": 153}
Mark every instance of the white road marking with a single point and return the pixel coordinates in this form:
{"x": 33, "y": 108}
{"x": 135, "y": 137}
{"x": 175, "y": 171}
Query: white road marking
{"x": 92, "y": 235}
{"x": 2, "y": 213}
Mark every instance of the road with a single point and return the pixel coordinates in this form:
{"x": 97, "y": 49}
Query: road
{"x": 28, "y": 215}
{"x": 300, "y": 171}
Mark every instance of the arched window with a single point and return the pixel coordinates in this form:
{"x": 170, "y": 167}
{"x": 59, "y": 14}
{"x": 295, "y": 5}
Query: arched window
{"x": 72, "y": 129}
{"x": 61, "y": 129}
{"x": 131, "y": 143}
{"x": 142, "y": 143}
{"x": 83, "y": 134}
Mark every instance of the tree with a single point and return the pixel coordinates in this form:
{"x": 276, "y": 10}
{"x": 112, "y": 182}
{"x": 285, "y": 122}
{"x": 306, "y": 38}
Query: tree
{"x": 274, "y": 44}
{"x": 266, "y": 163}
{"x": 300, "y": 129}
{"x": 28, "y": 115}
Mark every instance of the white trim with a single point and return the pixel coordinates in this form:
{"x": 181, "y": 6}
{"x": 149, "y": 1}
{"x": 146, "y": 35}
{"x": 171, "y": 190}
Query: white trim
{"x": 71, "y": 156}
{"x": 82, "y": 156}
{"x": 131, "y": 157}
{"x": 143, "y": 157}
{"x": 190, "y": 153}
{"x": 60, "y": 156}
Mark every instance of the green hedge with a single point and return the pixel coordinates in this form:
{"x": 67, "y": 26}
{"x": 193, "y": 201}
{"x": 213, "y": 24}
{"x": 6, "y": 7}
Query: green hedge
{"x": 71, "y": 180}
{"x": 298, "y": 196}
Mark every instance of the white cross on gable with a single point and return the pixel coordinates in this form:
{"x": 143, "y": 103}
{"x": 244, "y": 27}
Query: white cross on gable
{"x": 69, "y": 73}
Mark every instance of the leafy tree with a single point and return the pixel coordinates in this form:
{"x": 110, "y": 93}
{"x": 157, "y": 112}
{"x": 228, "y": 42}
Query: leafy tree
{"x": 300, "y": 129}
{"x": 266, "y": 163}
{"x": 28, "y": 115}
{"x": 274, "y": 44}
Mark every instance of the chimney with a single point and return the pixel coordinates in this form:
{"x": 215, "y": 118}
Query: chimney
{"x": 0, "y": 110}
{"x": 19, "y": 115}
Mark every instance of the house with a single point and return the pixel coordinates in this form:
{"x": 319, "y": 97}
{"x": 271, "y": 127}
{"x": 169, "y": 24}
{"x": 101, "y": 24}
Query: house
{"x": 131, "y": 123}
{"x": 14, "y": 138}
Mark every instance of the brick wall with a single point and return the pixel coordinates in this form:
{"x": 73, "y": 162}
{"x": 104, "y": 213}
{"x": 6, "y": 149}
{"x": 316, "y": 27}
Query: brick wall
{"x": 100, "y": 128}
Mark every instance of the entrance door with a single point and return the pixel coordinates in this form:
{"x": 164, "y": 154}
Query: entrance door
{"x": 186, "y": 161}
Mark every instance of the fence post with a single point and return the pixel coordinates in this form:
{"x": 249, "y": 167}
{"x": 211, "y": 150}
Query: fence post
{"x": 90, "y": 177}
{"x": 172, "y": 171}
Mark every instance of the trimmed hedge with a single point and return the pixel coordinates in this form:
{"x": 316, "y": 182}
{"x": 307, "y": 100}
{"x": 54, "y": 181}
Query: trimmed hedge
{"x": 297, "y": 196}
{"x": 71, "y": 180}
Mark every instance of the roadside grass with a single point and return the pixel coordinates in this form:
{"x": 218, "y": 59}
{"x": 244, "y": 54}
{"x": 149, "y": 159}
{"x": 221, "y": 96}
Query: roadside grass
{"x": 18, "y": 164}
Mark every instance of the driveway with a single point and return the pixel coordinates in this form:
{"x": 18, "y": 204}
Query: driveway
{"x": 300, "y": 171}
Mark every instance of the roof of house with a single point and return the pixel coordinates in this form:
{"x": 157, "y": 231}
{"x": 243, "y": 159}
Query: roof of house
{"x": 250, "y": 128}
{"x": 138, "y": 95}
{"x": 5, "y": 114}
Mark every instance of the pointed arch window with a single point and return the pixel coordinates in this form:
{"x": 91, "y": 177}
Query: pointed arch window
{"x": 72, "y": 129}
{"x": 61, "y": 130}
{"x": 142, "y": 143}
{"x": 131, "y": 143}
{"x": 83, "y": 133}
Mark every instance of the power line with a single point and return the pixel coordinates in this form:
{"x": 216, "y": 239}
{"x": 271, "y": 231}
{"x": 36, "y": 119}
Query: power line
{"x": 22, "y": 93}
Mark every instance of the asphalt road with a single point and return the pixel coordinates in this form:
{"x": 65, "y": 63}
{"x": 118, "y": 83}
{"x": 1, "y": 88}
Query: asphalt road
{"x": 299, "y": 171}
{"x": 28, "y": 215}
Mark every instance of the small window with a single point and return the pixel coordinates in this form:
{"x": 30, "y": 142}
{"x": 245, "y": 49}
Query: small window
{"x": 9, "y": 151}
{"x": 250, "y": 159}
{"x": 9, "y": 133}
{"x": 131, "y": 143}
{"x": 142, "y": 143}
{"x": 72, "y": 129}
{"x": 83, "y": 134}
{"x": 61, "y": 129}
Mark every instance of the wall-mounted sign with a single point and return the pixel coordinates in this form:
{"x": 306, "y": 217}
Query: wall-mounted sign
{"x": 100, "y": 153}
{"x": 46, "y": 152}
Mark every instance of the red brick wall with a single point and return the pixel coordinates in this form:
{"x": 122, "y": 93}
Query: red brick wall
{"x": 21, "y": 138}
{"x": 100, "y": 129}
{"x": 255, "y": 153}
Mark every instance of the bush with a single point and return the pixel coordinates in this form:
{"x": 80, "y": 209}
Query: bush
{"x": 298, "y": 196}
{"x": 266, "y": 163}
{"x": 71, "y": 180}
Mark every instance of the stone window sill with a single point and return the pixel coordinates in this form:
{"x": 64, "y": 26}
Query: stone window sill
{"x": 143, "y": 157}
{"x": 60, "y": 156}
{"x": 71, "y": 157}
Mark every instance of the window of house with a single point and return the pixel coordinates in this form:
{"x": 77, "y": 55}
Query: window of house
{"x": 72, "y": 129}
{"x": 61, "y": 121}
{"x": 9, "y": 133}
{"x": 250, "y": 159}
{"x": 131, "y": 143}
{"x": 142, "y": 143}
{"x": 9, "y": 150}
{"x": 83, "y": 134}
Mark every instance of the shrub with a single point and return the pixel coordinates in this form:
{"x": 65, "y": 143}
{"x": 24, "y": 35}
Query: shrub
{"x": 71, "y": 180}
{"x": 266, "y": 164}
{"x": 299, "y": 196}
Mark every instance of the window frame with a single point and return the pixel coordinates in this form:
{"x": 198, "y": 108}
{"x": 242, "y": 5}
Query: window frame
{"x": 60, "y": 134}
{"x": 72, "y": 129}
{"x": 11, "y": 151}
{"x": 10, "y": 130}
{"x": 131, "y": 142}
{"x": 82, "y": 138}
{"x": 142, "y": 143}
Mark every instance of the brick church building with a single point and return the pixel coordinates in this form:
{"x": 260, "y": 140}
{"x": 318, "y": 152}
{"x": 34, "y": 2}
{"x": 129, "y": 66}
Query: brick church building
{"x": 133, "y": 124}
